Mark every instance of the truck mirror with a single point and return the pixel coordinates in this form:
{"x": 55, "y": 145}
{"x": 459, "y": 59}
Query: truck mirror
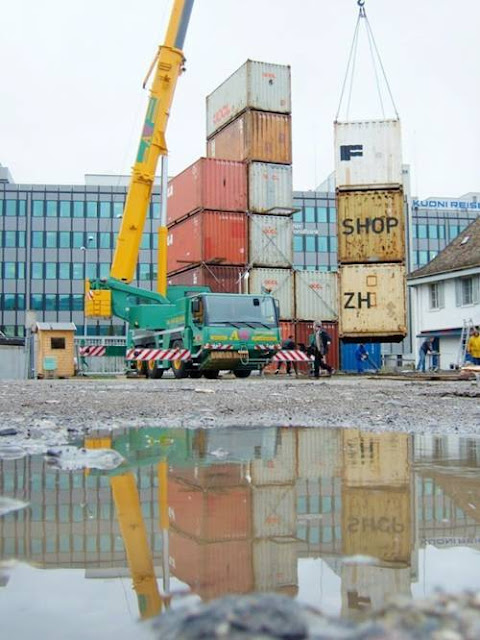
{"x": 196, "y": 305}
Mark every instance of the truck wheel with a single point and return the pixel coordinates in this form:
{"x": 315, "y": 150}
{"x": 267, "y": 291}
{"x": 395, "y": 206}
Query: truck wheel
{"x": 153, "y": 371}
{"x": 179, "y": 367}
{"x": 194, "y": 373}
{"x": 242, "y": 373}
{"x": 211, "y": 374}
{"x": 141, "y": 367}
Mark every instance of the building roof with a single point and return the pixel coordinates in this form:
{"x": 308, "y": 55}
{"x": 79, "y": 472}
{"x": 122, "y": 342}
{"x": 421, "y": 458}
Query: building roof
{"x": 463, "y": 252}
{"x": 55, "y": 326}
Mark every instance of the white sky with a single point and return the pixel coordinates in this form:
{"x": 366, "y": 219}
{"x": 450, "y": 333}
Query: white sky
{"x": 71, "y": 98}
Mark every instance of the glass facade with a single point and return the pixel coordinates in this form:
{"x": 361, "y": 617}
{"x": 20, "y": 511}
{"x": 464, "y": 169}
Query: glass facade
{"x": 44, "y": 230}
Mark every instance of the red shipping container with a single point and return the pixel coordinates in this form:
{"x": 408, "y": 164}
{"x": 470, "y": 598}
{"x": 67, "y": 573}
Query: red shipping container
{"x": 208, "y": 236}
{"x": 211, "y": 569}
{"x": 216, "y": 514}
{"x": 219, "y": 279}
{"x": 213, "y": 476}
{"x": 209, "y": 183}
{"x": 301, "y": 332}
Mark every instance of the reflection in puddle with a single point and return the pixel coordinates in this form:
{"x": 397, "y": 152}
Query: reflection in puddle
{"x": 340, "y": 519}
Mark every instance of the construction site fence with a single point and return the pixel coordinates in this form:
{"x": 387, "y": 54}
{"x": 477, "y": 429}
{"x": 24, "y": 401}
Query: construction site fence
{"x": 112, "y": 362}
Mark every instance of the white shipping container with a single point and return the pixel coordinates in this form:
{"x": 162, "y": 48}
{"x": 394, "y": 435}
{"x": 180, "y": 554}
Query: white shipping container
{"x": 316, "y": 295}
{"x": 368, "y": 153}
{"x": 270, "y": 241}
{"x": 270, "y": 188}
{"x": 274, "y": 564}
{"x": 279, "y": 468}
{"x": 372, "y": 300}
{"x": 319, "y": 453}
{"x": 274, "y": 511}
{"x": 255, "y": 85}
{"x": 279, "y": 282}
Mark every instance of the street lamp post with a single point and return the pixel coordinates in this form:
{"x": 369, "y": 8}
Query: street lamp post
{"x": 90, "y": 239}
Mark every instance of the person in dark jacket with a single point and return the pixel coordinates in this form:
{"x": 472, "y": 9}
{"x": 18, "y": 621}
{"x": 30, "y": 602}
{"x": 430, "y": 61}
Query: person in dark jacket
{"x": 319, "y": 344}
{"x": 288, "y": 345}
{"x": 426, "y": 347}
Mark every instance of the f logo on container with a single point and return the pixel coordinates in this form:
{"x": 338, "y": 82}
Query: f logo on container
{"x": 349, "y": 151}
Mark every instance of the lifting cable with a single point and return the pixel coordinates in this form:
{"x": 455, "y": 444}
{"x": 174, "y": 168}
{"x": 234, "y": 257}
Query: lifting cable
{"x": 376, "y": 61}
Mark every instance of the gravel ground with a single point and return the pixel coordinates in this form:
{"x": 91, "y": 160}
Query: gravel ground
{"x": 373, "y": 403}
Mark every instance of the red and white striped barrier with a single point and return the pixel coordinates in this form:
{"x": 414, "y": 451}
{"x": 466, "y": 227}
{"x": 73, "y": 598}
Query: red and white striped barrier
{"x": 291, "y": 355}
{"x": 93, "y": 350}
{"x": 158, "y": 354}
{"x": 267, "y": 347}
{"x": 218, "y": 346}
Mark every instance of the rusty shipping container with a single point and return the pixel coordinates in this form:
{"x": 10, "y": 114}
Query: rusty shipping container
{"x": 254, "y": 136}
{"x": 368, "y": 153}
{"x": 371, "y": 459}
{"x": 316, "y": 295}
{"x": 211, "y": 569}
{"x": 282, "y": 467}
{"x": 220, "y": 185}
{"x": 371, "y": 226}
{"x": 279, "y": 282}
{"x": 208, "y": 236}
{"x": 270, "y": 188}
{"x": 255, "y": 85}
{"x": 270, "y": 241}
{"x": 372, "y": 303}
{"x": 377, "y": 523}
{"x": 220, "y": 279}
{"x": 301, "y": 332}
{"x": 274, "y": 511}
{"x": 217, "y": 514}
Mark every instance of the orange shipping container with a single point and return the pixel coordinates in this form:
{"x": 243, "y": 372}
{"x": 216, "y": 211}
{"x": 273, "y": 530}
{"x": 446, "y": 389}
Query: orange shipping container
{"x": 219, "y": 279}
{"x": 208, "y": 236}
{"x": 211, "y": 569}
{"x": 220, "y": 514}
{"x": 207, "y": 184}
{"x": 255, "y": 135}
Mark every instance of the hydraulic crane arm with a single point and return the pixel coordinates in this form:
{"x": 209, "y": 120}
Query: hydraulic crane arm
{"x": 170, "y": 61}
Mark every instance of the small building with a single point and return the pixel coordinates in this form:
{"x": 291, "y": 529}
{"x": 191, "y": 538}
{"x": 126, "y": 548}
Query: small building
{"x": 446, "y": 294}
{"x": 54, "y": 349}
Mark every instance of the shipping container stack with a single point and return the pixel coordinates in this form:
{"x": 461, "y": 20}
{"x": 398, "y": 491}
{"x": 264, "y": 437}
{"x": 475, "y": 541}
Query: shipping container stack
{"x": 371, "y": 231}
{"x": 376, "y": 519}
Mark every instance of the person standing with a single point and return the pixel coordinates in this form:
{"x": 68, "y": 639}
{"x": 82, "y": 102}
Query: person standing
{"x": 473, "y": 347}
{"x": 426, "y": 347}
{"x": 288, "y": 345}
{"x": 361, "y": 356}
{"x": 319, "y": 344}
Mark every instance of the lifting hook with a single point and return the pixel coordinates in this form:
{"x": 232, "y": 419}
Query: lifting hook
{"x": 361, "y": 3}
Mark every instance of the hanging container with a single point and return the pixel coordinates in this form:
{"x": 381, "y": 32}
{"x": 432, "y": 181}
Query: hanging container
{"x": 220, "y": 185}
{"x": 255, "y": 85}
{"x": 371, "y": 226}
{"x": 255, "y": 135}
{"x": 207, "y": 236}
{"x": 372, "y": 301}
{"x": 270, "y": 241}
{"x": 219, "y": 279}
{"x": 316, "y": 295}
{"x": 278, "y": 282}
{"x": 368, "y": 153}
{"x": 270, "y": 188}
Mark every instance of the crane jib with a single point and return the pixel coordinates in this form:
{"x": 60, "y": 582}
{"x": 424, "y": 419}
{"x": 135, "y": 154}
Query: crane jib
{"x": 183, "y": 25}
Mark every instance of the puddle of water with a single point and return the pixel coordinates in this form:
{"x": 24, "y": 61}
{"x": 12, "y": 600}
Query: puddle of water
{"x": 339, "y": 519}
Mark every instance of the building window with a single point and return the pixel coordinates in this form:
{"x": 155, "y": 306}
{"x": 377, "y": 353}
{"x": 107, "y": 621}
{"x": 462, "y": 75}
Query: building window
{"x": 10, "y": 239}
{"x": 50, "y": 302}
{"x": 51, "y": 271}
{"x": 297, "y": 243}
{"x": 21, "y": 239}
{"x": 333, "y": 243}
{"x": 310, "y": 214}
{"x": 421, "y": 231}
{"x": 64, "y": 302}
{"x": 433, "y": 231}
{"x": 52, "y": 208}
{"x": 105, "y": 239}
{"x": 37, "y": 239}
{"x": 77, "y": 271}
{"x": 467, "y": 291}
{"x": 92, "y": 209}
{"x": 9, "y": 301}
{"x": 323, "y": 244}
{"x": 104, "y": 270}
{"x": 144, "y": 272}
{"x": 155, "y": 241}
{"x": 105, "y": 209}
{"x": 91, "y": 271}
{"x": 298, "y": 216}
{"x": 441, "y": 232}
{"x": 9, "y": 270}
{"x": 77, "y": 302}
{"x": 65, "y": 208}
{"x": 64, "y": 271}
{"x": 453, "y": 231}
{"x": 20, "y": 301}
{"x": 57, "y": 343}
{"x": 78, "y": 239}
{"x": 78, "y": 209}
{"x": 11, "y": 208}
{"x": 310, "y": 245}
{"x": 22, "y": 207}
{"x": 155, "y": 209}
{"x": 36, "y": 301}
{"x": 37, "y": 270}
{"x": 117, "y": 209}
{"x": 21, "y": 270}
{"x": 322, "y": 214}
{"x": 51, "y": 239}
{"x": 64, "y": 239}
{"x": 436, "y": 291}
{"x": 145, "y": 244}
{"x": 37, "y": 208}
{"x": 422, "y": 257}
